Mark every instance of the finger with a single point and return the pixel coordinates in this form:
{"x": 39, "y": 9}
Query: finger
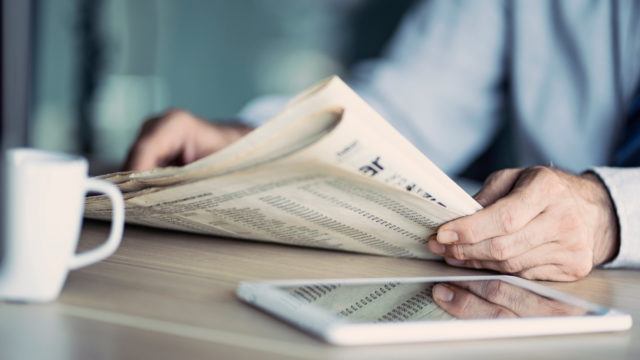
{"x": 546, "y": 254}
{"x": 471, "y": 264}
{"x": 550, "y": 272}
{"x": 463, "y": 304}
{"x": 514, "y": 298}
{"x": 507, "y": 215}
{"x": 157, "y": 144}
{"x": 151, "y": 154}
{"x": 540, "y": 230}
{"x": 521, "y": 301}
{"x": 132, "y": 154}
{"x": 140, "y": 159}
{"x": 497, "y": 186}
{"x": 435, "y": 247}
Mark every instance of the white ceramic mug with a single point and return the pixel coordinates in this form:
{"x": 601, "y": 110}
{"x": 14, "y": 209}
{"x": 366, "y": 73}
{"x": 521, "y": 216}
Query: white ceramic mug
{"x": 43, "y": 212}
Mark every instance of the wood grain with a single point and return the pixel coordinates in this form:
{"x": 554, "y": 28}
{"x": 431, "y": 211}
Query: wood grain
{"x": 167, "y": 295}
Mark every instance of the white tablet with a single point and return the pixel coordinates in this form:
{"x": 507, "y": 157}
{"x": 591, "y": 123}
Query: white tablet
{"x": 398, "y": 310}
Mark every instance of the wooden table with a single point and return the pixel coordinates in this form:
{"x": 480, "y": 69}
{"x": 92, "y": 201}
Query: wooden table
{"x": 170, "y": 295}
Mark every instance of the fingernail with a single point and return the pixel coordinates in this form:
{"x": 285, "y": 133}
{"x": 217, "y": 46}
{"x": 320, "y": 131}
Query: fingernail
{"x": 442, "y": 293}
{"x": 447, "y": 236}
{"x": 454, "y": 262}
{"x": 436, "y": 247}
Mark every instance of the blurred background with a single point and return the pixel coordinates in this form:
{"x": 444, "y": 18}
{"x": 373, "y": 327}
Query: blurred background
{"x": 101, "y": 67}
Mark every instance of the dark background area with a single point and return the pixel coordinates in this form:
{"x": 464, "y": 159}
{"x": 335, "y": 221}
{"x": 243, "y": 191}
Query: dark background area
{"x": 100, "y": 70}
{"x": 103, "y": 66}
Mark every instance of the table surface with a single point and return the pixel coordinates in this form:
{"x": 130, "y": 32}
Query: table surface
{"x": 169, "y": 295}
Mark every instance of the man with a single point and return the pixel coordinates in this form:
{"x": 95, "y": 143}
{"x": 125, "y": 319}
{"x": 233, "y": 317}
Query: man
{"x": 565, "y": 72}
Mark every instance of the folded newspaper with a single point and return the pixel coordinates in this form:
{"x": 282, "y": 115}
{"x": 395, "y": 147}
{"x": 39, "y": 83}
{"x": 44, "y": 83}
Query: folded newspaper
{"x": 326, "y": 172}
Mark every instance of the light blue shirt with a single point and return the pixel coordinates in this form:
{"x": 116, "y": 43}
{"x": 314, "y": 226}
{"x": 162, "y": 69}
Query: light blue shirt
{"x": 571, "y": 67}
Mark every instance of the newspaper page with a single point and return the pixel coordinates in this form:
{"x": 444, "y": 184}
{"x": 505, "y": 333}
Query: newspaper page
{"x": 328, "y": 172}
{"x": 306, "y": 204}
{"x": 384, "y": 302}
{"x": 303, "y": 122}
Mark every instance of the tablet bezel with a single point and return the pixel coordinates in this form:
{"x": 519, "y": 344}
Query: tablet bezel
{"x": 269, "y": 297}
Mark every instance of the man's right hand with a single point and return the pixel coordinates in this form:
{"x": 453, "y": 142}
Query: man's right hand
{"x": 177, "y": 138}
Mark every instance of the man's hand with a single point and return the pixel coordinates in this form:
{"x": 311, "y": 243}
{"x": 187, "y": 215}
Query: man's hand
{"x": 496, "y": 299}
{"x": 538, "y": 223}
{"x": 177, "y": 138}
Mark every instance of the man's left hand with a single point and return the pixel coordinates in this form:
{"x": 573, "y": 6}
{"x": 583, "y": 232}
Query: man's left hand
{"x": 497, "y": 299}
{"x": 539, "y": 223}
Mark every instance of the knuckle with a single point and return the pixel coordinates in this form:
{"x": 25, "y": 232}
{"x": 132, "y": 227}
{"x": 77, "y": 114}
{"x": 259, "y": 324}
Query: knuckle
{"x": 569, "y": 222}
{"x": 167, "y": 120}
{"x": 498, "y": 176}
{"x": 499, "y": 312}
{"x": 175, "y": 113}
{"x": 504, "y": 220}
{"x": 498, "y": 249}
{"x": 494, "y": 176}
{"x": 493, "y": 290}
{"x": 548, "y": 179}
{"x": 504, "y": 172}
{"x": 542, "y": 172}
{"x": 582, "y": 267}
{"x": 510, "y": 266}
{"x": 467, "y": 235}
{"x": 526, "y": 239}
{"x": 177, "y": 116}
{"x": 464, "y": 302}
{"x": 464, "y": 227}
{"x": 528, "y": 275}
{"x": 457, "y": 252}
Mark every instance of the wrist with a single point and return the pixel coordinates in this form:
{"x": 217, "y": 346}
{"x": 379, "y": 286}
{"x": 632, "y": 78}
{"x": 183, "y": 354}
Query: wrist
{"x": 606, "y": 237}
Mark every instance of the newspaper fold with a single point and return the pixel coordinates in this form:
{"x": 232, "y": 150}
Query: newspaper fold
{"x": 327, "y": 172}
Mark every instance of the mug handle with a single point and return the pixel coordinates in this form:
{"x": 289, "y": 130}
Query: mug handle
{"x": 117, "y": 223}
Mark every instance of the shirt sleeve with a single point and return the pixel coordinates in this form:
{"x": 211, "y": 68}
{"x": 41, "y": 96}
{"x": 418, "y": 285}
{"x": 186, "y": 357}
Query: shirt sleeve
{"x": 624, "y": 187}
{"x": 257, "y": 111}
{"x": 439, "y": 82}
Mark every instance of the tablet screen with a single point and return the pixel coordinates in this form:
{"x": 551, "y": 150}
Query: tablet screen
{"x": 401, "y": 301}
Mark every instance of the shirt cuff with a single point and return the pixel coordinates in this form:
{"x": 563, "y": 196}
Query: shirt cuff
{"x": 624, "y": 187}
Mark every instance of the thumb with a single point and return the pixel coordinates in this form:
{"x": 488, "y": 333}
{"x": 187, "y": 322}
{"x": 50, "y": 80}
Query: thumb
{"x": 497, "y": 186}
